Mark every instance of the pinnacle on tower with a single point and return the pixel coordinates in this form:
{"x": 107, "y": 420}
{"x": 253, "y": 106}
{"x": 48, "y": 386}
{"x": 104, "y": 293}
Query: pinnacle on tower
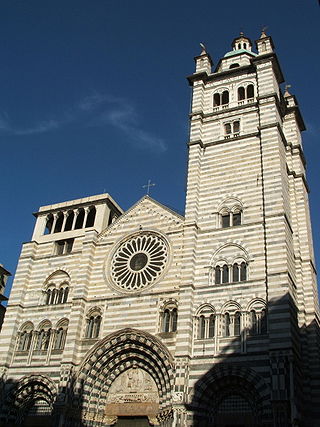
{"x": 203, "y": 61}
{"x": 264, "y": 43}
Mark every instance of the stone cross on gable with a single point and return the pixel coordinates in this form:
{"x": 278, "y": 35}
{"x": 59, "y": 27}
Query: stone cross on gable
{"x": 147, "y": 186}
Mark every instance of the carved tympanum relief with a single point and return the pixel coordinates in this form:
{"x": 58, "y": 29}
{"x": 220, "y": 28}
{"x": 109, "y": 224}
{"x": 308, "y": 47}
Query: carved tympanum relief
{"x": 133, "y": 393}
{"x": 133, "y": 385}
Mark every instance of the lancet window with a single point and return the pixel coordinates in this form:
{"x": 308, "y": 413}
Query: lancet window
{"x": 93, "y": 324}
{"x": 231, "y": 319}
{"x": 60, "y": 335}
{"x": 25, "y": 337}
{"x": 169, "y": 317}
{"x": 206, "y": 320}
{"x": 43, "y": 337}
{"x": 257, "y": 319}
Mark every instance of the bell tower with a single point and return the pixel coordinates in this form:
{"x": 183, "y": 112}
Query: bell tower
{"x": 247, "y": 205}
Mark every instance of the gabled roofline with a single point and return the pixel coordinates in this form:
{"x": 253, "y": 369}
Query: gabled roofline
{"x": 146, "y": 197}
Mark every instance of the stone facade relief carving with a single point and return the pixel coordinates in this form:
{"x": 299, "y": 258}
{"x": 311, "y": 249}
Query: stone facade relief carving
{"x": 133, "y": 385}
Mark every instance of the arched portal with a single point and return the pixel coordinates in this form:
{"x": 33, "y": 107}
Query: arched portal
{"x": 30, "y": 402}
{"x": 126, "y": 378}
{"x": 230, "y": 396}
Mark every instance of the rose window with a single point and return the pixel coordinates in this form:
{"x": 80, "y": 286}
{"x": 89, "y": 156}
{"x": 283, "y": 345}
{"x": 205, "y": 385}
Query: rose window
{"x": 139, "y": 261}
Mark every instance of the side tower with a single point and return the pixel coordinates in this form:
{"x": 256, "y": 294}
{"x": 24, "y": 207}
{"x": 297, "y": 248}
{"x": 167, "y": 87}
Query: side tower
{"x": 249, "y": 268}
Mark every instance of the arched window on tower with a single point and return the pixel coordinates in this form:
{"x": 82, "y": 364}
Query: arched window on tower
{"x": 57, "y": 288}
{"x": 169, "y": 317}
{"x": 250, "y": 91}
{"x": 202, "y": 327}
{"x": 43, "y": 337}
{"x": 93, "y": 324}
{"x": 221, "y": 98}
{"x": 206, "y": 322}
{"x": 49, "y": 224}
{"x": 226, "y": 219}
{"x": 227, "y": 325}
{"x": 245, "y": 93}
{"x": 60, "y": 335}
{"x": 91, "y": 217}
{"x": 211, "y": 329}
{"x": 25, "y": 337}
{"x": 216, "y": 100}
{"x": 217, "y": 274}
{"x": 230, "y": 217}
{"x": 237, "y": 323}
{"x": 59, "y": 222}
{"x": 80, "y": 219}
{"x": 69, "y": 221}
{"x": 225, "y": 97}
{"x": 253, "y": 323}
{"x": 263, "y": 321}
{"x": 243, "y": 271}
{"x": 257, "y": 320}
{"x": 225, "y": 274}
{"x": 241, "y": 93}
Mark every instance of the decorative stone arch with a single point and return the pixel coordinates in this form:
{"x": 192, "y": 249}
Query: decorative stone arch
{"x": 27, "y": 326}
{"x": 223, "y": 379}
{"x": 240, "y": 250}
{"x": 44, "y": 324}
{"x": 225, "y": 256}
{"x": 56, "y": 287}
{"x": 204, "y": 306}
{"x": 256, "y": 303}
{"x": 168, "y": 302}
{"x": 115, "y": 354}
{"x": 24, "y": 394}
{"x": 94, "y": 310}
{"x": 245, "y": 84}
{"x": 229, "y": 201}
{"x": 64, "y": 322}
{"x": 58, "y": 271}
{"x": 231, "y": 306}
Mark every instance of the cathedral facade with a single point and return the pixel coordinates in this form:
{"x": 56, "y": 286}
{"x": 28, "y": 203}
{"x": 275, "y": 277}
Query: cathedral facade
{"x": 147, "y": 317}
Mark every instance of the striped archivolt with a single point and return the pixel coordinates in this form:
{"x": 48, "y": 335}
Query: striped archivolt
{"x": 139, "y": 261}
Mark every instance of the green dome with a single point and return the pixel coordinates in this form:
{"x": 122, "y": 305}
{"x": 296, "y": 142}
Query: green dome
{"x": 238, "y": 52}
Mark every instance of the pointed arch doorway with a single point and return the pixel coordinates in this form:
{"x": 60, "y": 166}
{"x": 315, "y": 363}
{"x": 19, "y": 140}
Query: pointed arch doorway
{"x": 125, "y": 380}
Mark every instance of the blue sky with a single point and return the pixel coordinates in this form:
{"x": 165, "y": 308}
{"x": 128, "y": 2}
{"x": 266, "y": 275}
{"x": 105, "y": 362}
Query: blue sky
{"x": 93, "y": 96}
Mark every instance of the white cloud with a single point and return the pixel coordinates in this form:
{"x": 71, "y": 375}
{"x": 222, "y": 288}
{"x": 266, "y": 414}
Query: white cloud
{"x": 95, "y": 110}
{"x": 123, "y": 116}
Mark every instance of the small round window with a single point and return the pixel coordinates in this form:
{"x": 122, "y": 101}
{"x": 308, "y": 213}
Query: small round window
{"x": 139, "y": 261}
